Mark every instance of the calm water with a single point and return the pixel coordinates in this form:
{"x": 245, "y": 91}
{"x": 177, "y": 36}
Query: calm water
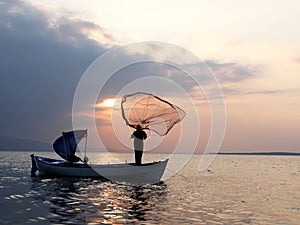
{"x": 233, "y": 190}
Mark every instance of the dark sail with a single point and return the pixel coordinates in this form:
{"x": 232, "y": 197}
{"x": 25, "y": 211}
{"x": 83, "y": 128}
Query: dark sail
{"x": 66, "y": 145}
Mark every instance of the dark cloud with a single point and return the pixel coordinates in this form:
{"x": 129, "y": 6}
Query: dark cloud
{"x": 205, "y": 72}
{"x": 42, "y": 59}
{"x": 208, "y": 72}
{"x": 231, "y": 72}
{"x": 41, "y": 62}
{"x": 139, "y": 70}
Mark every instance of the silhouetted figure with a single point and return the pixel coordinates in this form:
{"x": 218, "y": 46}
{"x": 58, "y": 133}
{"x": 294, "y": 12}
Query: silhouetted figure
{"x": 139, "y": 136}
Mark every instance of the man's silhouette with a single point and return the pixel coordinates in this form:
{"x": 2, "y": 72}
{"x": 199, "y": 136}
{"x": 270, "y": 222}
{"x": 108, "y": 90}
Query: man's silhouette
{"x": 139, "y": 136}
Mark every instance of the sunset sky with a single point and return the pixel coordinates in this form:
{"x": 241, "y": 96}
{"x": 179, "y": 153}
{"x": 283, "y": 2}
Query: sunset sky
{"x": 252, "y": 47}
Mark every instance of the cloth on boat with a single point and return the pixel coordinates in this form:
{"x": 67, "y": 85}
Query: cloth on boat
{"x": 66, "y": 145}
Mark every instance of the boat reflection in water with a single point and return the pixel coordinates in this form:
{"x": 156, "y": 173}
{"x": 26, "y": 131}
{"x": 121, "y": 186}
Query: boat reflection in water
{"x": 81, "y": 201}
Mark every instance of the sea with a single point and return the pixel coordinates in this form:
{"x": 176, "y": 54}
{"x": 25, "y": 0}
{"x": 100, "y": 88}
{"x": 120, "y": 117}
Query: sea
{"x": 234, "y": 189}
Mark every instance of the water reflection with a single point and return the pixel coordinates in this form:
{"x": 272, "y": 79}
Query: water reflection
{"x": 81, "y": 201}
{"x": 236, "y": 190}
{"x": 140, "y": 200}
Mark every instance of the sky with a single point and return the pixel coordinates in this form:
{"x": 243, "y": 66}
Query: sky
{"x": 252, "y": 48}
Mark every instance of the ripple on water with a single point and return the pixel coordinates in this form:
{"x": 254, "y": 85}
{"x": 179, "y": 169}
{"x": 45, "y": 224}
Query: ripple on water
{"x": 235, "y": 190}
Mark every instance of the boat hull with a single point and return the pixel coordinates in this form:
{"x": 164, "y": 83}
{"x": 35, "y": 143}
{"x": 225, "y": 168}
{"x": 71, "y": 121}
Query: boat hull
{"x": 149, "y": 173}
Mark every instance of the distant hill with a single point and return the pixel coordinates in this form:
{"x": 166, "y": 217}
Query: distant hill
{"x": 260, "y": 153}
{"x": 17, "y": 144}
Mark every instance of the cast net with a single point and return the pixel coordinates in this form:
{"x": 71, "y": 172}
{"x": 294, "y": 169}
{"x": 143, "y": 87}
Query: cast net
{"x": 150, "y": 112}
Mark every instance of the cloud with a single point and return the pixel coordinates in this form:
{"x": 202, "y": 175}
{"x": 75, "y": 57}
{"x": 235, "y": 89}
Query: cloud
{"x": 232, "y": 72}
{"x": 41, "y": 61}
{"x": 231, "y": 91}
{"x": 43, "y": 56}
{"x": 206, "y": 73}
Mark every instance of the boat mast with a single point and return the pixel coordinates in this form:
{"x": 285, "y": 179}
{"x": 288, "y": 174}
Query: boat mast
{"x": 65, "y": 146}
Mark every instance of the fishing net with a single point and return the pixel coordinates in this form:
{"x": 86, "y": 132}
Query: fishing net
{"x": 150, "y": 112}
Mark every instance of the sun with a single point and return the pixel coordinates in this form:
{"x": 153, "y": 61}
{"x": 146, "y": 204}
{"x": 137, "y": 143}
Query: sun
{"x": 110, "y": 102}
{"x": 106, "y": 103}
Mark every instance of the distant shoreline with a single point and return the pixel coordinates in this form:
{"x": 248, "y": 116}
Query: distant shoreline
{"x": 259, "y": 153}
{"x": 25, "y": 150}
{"x": 213, "y": 153}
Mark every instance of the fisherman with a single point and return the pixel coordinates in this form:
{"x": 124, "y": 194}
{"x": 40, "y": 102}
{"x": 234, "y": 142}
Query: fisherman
{"x": 139, "y": 136}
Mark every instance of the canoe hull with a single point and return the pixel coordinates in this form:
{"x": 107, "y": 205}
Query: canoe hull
{"x": 149, "y": 173}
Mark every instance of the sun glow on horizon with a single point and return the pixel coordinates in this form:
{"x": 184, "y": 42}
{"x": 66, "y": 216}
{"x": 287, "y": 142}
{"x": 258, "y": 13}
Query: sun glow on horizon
{"x": 106, "y": 103}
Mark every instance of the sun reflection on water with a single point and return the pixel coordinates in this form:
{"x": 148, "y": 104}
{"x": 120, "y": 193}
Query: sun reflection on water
{"x": 96, "y": 201}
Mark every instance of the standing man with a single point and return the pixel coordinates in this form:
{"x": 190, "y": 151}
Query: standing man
{"x": 139, "y": 136}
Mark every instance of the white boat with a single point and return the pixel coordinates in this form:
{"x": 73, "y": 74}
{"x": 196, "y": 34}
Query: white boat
{"x": 148, "y": 173}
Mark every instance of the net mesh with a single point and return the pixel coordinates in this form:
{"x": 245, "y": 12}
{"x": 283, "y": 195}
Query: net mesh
{"x": 150, "y": 112}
